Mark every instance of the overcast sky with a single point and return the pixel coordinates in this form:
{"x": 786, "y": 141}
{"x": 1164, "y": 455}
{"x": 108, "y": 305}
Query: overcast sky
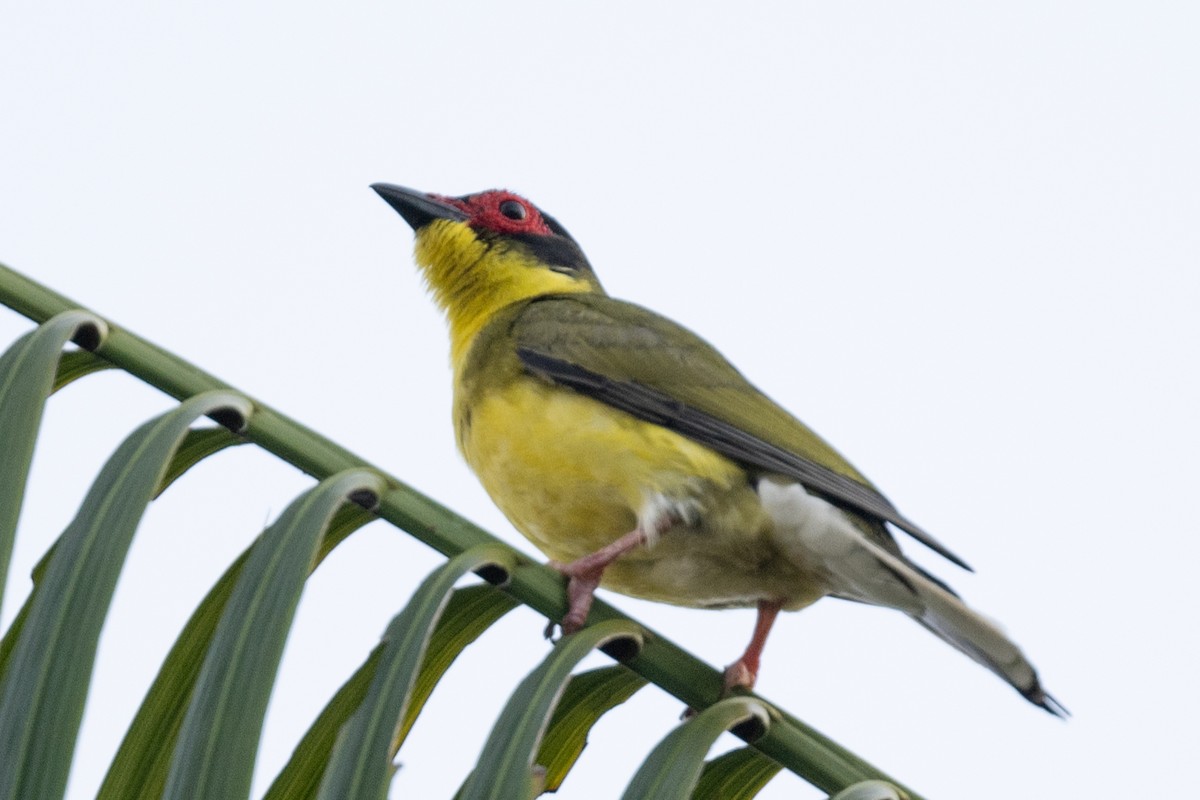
{"x": 960, "y": 242}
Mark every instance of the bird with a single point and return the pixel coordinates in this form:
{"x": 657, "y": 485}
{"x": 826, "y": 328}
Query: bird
{"x": 636, "y": 457}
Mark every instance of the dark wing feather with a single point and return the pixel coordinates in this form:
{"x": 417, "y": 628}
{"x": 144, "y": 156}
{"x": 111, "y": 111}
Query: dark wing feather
{"x": 655, "y": 369}
{"x": 654, "y": 406}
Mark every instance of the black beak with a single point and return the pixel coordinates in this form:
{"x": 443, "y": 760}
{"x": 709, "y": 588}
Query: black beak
{"x": 417, "y": 208}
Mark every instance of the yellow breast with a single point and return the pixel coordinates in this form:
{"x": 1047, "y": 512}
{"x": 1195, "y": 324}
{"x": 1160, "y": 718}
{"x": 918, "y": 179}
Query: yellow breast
{"x": 572, "y": 475}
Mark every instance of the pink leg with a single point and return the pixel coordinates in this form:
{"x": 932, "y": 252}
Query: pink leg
{"x": 584, "y": 574}
{"x": 744, "y": 671}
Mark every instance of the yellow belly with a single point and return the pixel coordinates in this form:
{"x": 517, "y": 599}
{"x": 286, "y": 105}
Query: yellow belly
{"x": 572, "y": 475}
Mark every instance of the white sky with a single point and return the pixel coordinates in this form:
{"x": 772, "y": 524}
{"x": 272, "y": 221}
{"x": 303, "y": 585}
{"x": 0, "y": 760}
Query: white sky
{"x": 959, "y": 242}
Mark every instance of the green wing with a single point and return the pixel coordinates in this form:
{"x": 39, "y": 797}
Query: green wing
{"x": 654, "y": 369}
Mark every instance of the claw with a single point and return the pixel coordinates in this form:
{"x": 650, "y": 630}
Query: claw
{"x": 581, "y": 590}
{"x": 739, "y": 675}
{"x": 575, "y": 619}
{"x": 584, "y": 577}
{"x": 743, "y": 673}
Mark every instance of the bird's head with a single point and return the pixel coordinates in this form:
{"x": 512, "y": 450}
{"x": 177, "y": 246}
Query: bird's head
{"x": 481, "y": 252}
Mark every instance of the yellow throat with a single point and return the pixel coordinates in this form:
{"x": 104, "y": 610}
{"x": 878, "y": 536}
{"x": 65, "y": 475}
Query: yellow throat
{"x": 471, "y": 279}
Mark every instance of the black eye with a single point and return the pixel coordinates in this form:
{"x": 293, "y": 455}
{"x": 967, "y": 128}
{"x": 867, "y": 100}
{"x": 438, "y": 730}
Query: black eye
{"x": 512, "y": 209}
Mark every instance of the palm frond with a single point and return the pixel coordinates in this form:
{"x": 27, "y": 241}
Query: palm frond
{"x": 198, "y": 729}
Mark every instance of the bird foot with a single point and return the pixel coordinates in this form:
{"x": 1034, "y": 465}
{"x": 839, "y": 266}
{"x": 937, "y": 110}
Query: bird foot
{"x": 743, "y": 673}
{"x": 739, "y": 675}
{"x": 583, "y": 578}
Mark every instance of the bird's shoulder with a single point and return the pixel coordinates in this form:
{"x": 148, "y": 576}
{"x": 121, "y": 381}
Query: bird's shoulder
{"x": 623, "y": 341}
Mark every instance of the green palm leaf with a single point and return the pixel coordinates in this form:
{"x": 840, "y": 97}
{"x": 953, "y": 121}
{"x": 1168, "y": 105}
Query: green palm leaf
{"x": 197, "y": 731}
{"x": 42, "y": 696}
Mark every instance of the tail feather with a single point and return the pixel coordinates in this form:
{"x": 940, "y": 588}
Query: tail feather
{"x": 971, "y": 633}
{"x": 812, "y": 531}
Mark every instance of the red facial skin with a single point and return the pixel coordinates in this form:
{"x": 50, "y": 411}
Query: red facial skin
{"x": 484, "y": 212}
